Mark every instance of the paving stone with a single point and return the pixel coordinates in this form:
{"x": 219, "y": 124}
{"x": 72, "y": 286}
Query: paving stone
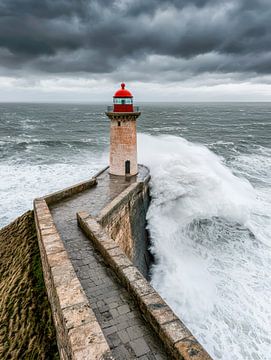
{"x": 124, "y": 337}
{"x": 140, "y": 347}
{"x": 134, "y": 332}
{"x": 114, "y": 313}
{"x": 110, "y": 330}
{"x": 121, "y": 353}
{"x": 106, "y": 316}
{"x": 109, "y": 323}
{"x": 113, "y": 340}
{"x": 113, "y": 305}
{"x": 123, "y": 309}
{"x": 103, "y": 309}
{"x": 123, "y": 325}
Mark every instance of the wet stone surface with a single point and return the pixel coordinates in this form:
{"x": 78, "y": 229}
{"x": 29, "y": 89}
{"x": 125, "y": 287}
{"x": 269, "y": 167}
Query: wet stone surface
{"x": 126, "y": 332}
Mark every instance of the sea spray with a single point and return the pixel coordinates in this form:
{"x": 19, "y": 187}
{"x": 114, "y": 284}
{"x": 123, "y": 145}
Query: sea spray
{"x": 21, "y": 183}
{"x": 209, "y": 265}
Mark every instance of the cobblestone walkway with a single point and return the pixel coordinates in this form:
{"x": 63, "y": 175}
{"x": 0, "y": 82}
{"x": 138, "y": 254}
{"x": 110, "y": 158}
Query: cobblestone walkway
{"x": 127, "y": 333}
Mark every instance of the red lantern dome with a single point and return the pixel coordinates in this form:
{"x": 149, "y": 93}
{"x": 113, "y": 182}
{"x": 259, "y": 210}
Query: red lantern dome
{"x": 123, "y": 100}
{"x": 123, "y": 92}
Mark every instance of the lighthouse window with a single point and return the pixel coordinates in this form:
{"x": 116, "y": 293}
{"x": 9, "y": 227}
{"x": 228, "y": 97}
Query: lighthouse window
{"x": 123, "y": 101}
{"x": 118, "y": 123}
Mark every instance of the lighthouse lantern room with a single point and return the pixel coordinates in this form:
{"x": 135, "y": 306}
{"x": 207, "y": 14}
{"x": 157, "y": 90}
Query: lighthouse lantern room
{"x": 123, "y": 142}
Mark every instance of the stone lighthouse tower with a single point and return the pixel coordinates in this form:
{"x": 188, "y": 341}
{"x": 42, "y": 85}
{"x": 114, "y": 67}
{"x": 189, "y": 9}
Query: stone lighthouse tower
{"x": 123, "y": 146}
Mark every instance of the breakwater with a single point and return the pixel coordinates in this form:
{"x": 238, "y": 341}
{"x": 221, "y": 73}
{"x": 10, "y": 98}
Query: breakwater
{"x": 94, "y": 287}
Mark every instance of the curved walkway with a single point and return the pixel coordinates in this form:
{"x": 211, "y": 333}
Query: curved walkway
{"x": 129, "y": 336}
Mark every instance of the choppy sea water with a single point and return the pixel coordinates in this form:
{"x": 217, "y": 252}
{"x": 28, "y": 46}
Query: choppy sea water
{"x": 210, "y": 217}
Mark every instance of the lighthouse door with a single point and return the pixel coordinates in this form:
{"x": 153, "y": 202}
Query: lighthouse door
{"x": 127, "y": 167}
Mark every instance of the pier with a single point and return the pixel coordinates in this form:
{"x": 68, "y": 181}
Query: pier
{"x": 103, "y": 307}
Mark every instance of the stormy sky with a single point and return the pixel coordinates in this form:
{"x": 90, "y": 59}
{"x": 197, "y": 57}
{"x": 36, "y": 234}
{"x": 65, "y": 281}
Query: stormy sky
{"x": 178, "y": 50}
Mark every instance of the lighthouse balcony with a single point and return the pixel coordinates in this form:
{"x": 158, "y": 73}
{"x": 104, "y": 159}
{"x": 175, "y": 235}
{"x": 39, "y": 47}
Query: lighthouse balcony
{"x": 110, "y": 109}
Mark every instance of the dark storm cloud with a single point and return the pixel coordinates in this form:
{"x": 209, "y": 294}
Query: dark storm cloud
{"x": 104, "y": 36}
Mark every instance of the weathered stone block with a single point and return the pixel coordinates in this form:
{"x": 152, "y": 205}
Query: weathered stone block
{"x": 70, "y": 294}
{"x": 157, "y": 311}
{"x": 141, "y": 288}
{"x": 55, "y": 259}
{"x": 63, "y": 273}
{"x": 53, "y": 247}
{"x": 191, "y": 349}
{"x": 173, "y": 332}
{"x": 50, "y": 231}
{"x": 120, "y": 261}
{"x": 131, "y": 274}
{"x": 50, "y": 238}
{"x": 77, "y": 315}
{"x": 85, "y": 335}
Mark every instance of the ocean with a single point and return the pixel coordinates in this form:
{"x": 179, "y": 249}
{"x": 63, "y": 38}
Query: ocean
{"x": 210, "y": 216}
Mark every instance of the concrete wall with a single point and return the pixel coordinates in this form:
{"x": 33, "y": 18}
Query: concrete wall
{"x": 125, "y": 221}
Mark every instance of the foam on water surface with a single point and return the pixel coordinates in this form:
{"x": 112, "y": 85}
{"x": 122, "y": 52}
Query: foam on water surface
{"x": 211, "y": 245}
{"x": 21, "y": 183}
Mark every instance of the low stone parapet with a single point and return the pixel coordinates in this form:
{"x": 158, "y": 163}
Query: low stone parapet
{"x": 69, "y": 191}
{"x": 79, "y": 335}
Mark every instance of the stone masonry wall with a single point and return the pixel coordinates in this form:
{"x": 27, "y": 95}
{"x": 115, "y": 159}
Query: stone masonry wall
{"x": 125, "y": 221}
{"x": 79, "y": 335}
{"x": 177, "y": 339}
{"x": 123, "y": 146}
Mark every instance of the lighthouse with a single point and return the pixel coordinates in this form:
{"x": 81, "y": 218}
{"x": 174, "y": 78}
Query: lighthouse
{"x": 123, "y": 144}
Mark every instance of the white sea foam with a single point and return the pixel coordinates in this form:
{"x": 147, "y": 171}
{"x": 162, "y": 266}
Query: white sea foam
{"x": 20, "y": 183}
{"x": 210, "y": 240}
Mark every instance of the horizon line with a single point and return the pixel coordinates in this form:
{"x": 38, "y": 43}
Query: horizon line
{"x": 100, "y": 102}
